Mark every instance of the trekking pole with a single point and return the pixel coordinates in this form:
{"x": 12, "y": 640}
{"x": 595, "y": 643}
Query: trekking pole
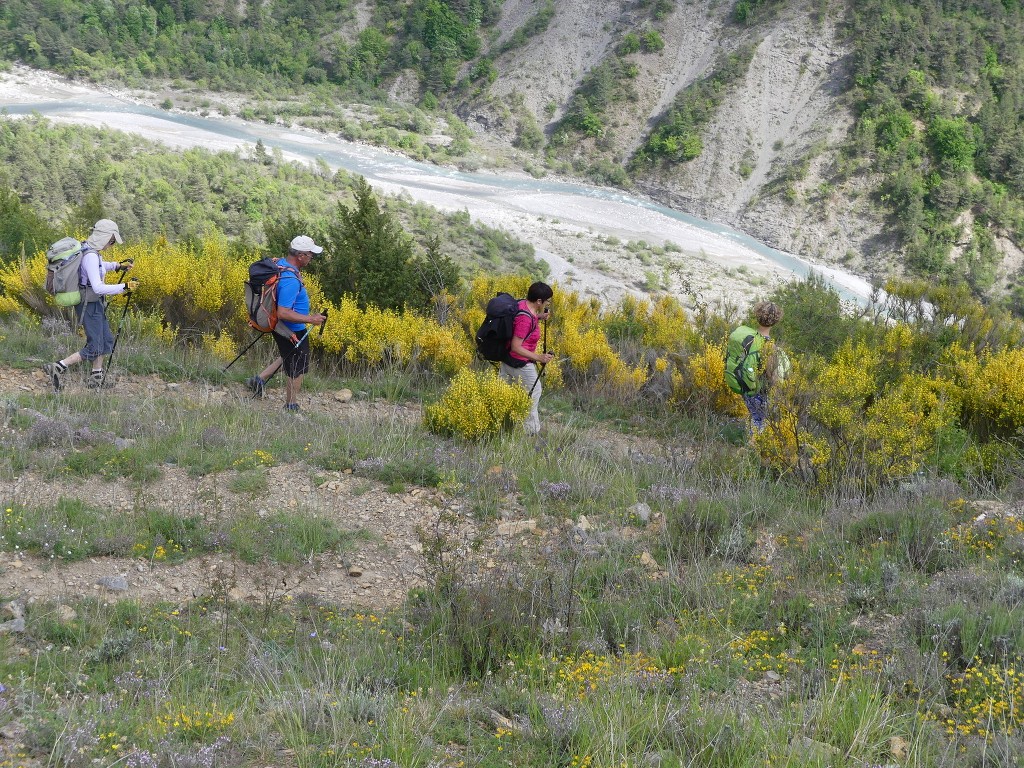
{"x": 321, "y": 331}
{"x": 239, "y": 355}
{"x": 117, "y": 337}
{"x": 299, "y": 340}
{"x": 543, "y": 366}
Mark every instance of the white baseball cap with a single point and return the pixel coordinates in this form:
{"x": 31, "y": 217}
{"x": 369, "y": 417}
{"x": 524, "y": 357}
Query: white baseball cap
{"x": 305, "y": 244}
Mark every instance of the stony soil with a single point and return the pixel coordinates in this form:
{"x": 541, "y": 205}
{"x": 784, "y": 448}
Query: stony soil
{"x": 385, "y": 564}
{"x": 377, "y": 573}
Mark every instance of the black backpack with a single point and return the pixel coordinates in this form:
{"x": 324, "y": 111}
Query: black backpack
{"x": 494, "y": 338}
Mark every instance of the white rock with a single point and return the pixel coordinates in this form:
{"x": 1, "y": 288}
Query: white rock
{"x": 641, "y": 511}
{"x": 113, "y": 583}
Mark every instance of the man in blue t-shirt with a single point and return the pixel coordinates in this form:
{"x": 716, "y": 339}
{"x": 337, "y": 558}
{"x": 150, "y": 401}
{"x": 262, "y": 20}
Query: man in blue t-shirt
{"x": 293, "y": 312}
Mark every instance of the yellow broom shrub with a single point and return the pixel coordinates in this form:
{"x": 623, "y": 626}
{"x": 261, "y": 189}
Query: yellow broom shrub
{"x": 22, "y": 281}
{"x": 667, "y": 327}
{"x": 477, "y": 405}
{"x": 706, "y": 379}
{"x": 898, "y": 429}
{"x": 374, "y": 337}
{"x": 845, "y": 385}
{"x": 995, "y": 389}
{"x": 200, "y": 289}
{"x": 220, "y": 345}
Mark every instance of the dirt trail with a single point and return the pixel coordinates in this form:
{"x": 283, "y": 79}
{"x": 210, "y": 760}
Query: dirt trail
{"x": 385, "y": 562}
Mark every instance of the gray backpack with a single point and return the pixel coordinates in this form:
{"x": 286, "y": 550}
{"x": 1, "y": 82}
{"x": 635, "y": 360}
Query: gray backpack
{"x": 63, "y": 263}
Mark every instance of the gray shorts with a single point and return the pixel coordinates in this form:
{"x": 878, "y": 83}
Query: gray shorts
{"x": 99, "y": 340}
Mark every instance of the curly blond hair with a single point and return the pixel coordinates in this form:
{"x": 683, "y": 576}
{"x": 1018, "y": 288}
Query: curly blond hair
{"x": 767, "y": 313}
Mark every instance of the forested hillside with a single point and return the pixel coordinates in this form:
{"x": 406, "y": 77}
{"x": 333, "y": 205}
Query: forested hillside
{"x": 58, "y": 179}
{"x": 885, "y": 133}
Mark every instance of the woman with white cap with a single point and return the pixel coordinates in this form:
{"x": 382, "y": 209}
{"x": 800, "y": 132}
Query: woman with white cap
{"x": 99, "y": 340}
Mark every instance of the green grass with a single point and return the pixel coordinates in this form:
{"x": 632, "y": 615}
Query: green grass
{"x": 780, "y": 625}
{"x": 72, "y": 530}
{"x": 252, "y": 482}
{"x": 285, "y": 538}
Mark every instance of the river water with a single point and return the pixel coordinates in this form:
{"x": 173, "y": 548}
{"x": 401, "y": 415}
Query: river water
{"x": 565, "y": 221}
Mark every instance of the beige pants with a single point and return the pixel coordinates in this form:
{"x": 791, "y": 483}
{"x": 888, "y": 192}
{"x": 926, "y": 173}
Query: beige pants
{"x": 526, "y": 376}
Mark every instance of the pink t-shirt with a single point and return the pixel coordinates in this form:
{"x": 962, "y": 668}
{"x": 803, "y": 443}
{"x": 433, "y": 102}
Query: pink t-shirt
{"x": 527, "y": 328}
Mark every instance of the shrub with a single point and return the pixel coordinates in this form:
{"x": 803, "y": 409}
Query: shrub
{"x": 652, "y": 41}
{"x": 172, "y": 304}
{"x": 478, "y": 405}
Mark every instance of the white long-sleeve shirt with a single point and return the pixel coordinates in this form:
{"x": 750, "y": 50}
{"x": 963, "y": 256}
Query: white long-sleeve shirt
{"x": 93, "y": 271}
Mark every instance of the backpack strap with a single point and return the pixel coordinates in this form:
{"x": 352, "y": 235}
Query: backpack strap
{"x": 83, "y": 279}
{"x": 287, "y": 269}
{"x": 533, "y": 327}
{"x": 528, "y": 313}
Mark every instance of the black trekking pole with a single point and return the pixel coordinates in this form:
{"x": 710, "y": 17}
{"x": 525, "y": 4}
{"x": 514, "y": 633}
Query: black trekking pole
{"x": 239, "y": 355}
{"x": 543, "y": 366}
{"x": 321, "y": 331}
{"x": 117, "y": 337}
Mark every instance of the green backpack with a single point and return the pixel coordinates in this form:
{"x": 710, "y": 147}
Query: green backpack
{"x": 63, "y": 265}
{"x": 743, "y": 360}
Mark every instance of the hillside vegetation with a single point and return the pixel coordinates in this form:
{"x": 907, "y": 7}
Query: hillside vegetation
{"x": 886, "y": 133}
{"x": 57, "y": 179}
{"x": 641, "y": 585}
{"x": 398, "y": 576}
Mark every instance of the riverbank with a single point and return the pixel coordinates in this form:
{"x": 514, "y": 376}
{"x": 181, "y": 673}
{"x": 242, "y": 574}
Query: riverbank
{"x": 592, "y": 238}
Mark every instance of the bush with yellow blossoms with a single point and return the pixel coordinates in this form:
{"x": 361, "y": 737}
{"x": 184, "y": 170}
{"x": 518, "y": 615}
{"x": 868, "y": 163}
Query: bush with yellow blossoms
{"x": 196, "y": 291}
{"x": 478, "y": 405}
{"x": 702, "y": 381}
{"x": 854, "y": 420}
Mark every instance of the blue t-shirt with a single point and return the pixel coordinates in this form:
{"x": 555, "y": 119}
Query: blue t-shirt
{"x": 291, "y": 293}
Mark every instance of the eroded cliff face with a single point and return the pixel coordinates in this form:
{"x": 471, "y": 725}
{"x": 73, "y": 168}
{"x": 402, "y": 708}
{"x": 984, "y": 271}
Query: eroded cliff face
{"x": 770, "y": 159}
{"x": 772, "y": 162}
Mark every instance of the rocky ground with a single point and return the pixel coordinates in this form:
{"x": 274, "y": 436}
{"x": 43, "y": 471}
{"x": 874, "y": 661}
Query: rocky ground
{"x": 387, "y": 559}
{"x": 385, "y": 564}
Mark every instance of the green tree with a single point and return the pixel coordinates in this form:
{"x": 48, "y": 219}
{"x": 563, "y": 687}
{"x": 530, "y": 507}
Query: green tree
{"x": 952, "y": 142}
{"x": 21, "y": 228}
{"x": 371, "y": 258}
{"x": 815, "y": 322}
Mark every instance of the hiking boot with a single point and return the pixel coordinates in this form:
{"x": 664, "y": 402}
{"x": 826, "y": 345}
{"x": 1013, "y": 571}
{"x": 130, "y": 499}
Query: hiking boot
{"x": 97, "y": 380}
{"x": 291, "y": 406}
{"x": 54, "y": 371}
{"x": 257, "y": 386}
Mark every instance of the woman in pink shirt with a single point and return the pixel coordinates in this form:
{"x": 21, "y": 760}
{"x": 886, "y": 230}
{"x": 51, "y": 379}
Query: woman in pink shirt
{"x": 520, "y": 365}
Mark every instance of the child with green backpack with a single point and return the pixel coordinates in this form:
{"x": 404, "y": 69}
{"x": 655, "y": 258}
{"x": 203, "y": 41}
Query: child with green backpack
{"x": 753, "y": 362}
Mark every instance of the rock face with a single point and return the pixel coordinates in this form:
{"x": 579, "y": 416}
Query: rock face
{"x": 786, "y": 113}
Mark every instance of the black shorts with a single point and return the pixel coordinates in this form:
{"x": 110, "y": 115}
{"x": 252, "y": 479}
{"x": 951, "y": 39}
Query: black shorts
{"x": 296, "y": 359}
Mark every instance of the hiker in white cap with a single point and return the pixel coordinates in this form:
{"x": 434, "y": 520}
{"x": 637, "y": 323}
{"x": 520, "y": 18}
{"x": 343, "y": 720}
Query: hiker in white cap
{"x": 292, "y": 310}
{"x": 91, "y": 311}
